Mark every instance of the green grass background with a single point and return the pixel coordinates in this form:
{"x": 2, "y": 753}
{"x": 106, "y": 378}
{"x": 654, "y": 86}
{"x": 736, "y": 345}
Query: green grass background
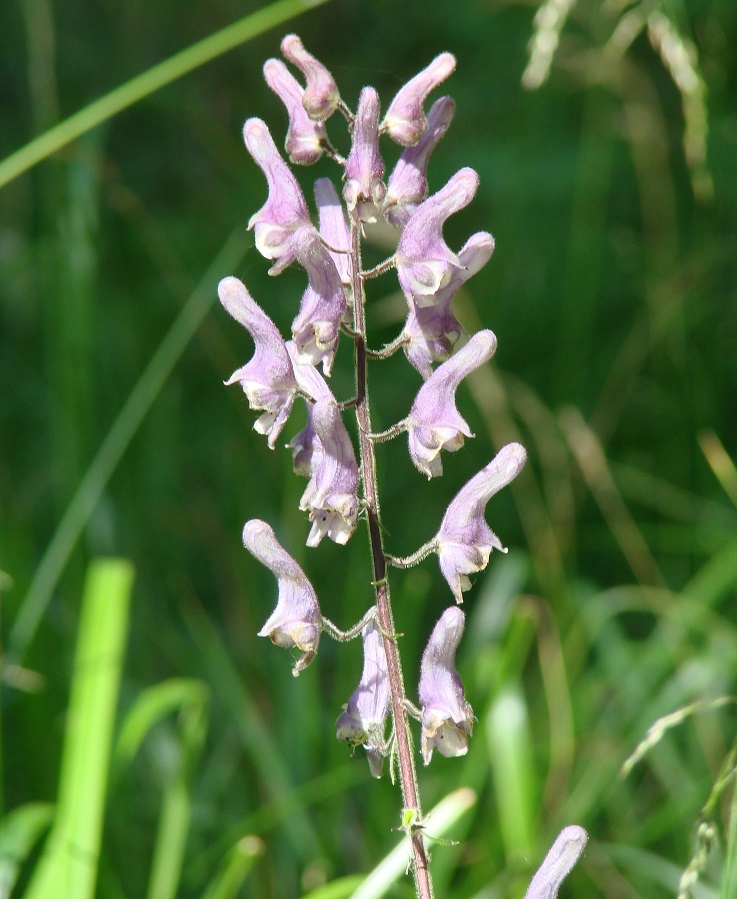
{"x": 150, "y": 740}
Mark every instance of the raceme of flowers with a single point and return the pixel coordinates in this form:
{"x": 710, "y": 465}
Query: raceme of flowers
{"x": 283, "y": 372}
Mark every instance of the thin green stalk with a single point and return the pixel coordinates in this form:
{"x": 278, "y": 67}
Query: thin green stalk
{"x": 146, "y": 83}
{"x": 112, "y": 449}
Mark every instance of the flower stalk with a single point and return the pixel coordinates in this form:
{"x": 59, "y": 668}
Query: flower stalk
{"x": 385, "y": 616}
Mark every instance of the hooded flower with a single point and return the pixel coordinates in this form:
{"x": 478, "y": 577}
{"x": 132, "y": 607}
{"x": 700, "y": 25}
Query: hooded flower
{"x": 407, "y": 184}
{"x": 424, "y": 261}
{"x": 432, "y": 330}
{"x": 305, "y": 138}
{"x": 321, "y": 96}
{"x": 559, "y": 861}
{"x": 331, "y": 495}
{"x": 405, "y": 121}
{"x": 447, "y": 719}
{"x": 434, "y": 422}
{"x": 268, "y": 380}
{"x": 364, "y": 715}
{"x": 317, "y": 326}
{"x": 285, "y": 210}
{"x": 364, "y": 190}
{"x": 465, "y": 541}
{"x": 296, "y": 620}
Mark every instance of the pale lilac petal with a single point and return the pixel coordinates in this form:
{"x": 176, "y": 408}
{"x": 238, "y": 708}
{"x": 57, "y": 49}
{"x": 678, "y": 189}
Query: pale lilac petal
{"x": 434, "y": 422}
{"x": 405, "y": 121}
{"x": 563, "y": 855}
{"x": 465, "y": 541}
{"x": 296, "y": 620}
{"x": 331, "y": 495}
{"x": 314, "y": 387}
{"x": 407, "y": 184}
{"x": 310, "y": 382}
{"x": 424, "y": 261}
{"x": 305, "y": 138}
{"x": 334, "y": 228}
{"x": 321, "y": 95}
{"x": 316, "y": 328}
{"x": 285, "y": 210}
{"x": 364, "y": 190}
{"x": 447, "y": 719}
{"x": 432, "y": 329}
{"x": 268, "y": 380}
{"x": 362, "y": 721}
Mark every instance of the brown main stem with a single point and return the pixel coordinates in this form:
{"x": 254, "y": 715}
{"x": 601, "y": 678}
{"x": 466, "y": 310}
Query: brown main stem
{"x": 407, "y": 773}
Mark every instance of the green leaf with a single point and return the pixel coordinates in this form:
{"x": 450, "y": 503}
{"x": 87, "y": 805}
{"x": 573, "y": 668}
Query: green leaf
{"x": 68, "y": 866}
{"x": 20, "y": 830}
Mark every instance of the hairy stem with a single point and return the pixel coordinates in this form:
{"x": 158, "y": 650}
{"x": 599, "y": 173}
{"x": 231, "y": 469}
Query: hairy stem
{"x": 407, "y": 771}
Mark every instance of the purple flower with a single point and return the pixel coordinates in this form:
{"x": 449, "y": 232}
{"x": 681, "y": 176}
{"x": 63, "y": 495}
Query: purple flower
{"x": 333, "y": 228}
{"x": 321, "y": 96}
{"x": 268, "y": 380}
{"x": 332, "y": 492}
{"x": 408, "y": 182}
{"x": 447, "y": 719}
{"x": 434, "y": 422}
{"x": 465, "y": 541}
{"x": 364, "y": 190}
{"x": 363, "y": 718}
{"x": 405, "y": 121}
{"x": 317, "y": 326}
{"x": 424, "y": 261}
{"x": 433, "y": 329}
{"x": 285, "y": 210}
{"x": 305, "y": 138}
{"x": 559, "y": 861}
{"x": 296, "y": 620}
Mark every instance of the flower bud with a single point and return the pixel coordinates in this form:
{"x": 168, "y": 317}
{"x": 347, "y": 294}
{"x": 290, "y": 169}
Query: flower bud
{"x": 285, "y": 209}
{"x": 362, "y": 721}
{"x": 321, "y": 96}
{"x": 296, "y": 620}
{"x": 331, "y": 495}
{"x": 316, "y": 328}
{"x": 465, "y": 540}
{"x": 364, "y": 190}
{"x": 424, "y": 261}
{"x": 268, "y": 379}
{"x": 563, "y": 855}
{"x": 405, "y": 121}
{"x": 408, "y": 182}
{"x": 305, "y": 138}
{"x": 434, "y": 422}
{"x": 432, "y": 330}
{"x": 447, "y": 719}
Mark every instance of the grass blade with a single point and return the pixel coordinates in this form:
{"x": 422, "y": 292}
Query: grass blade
{"x": 68, "y": 866}
{"x": 235, "y": 868}
{"x": 19, "y": 832}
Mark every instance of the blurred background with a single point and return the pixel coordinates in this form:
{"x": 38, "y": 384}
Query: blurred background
{"x": 605, "y": 137}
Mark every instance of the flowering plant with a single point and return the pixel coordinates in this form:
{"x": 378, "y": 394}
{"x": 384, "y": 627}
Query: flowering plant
{"x": 342, "y": 485}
